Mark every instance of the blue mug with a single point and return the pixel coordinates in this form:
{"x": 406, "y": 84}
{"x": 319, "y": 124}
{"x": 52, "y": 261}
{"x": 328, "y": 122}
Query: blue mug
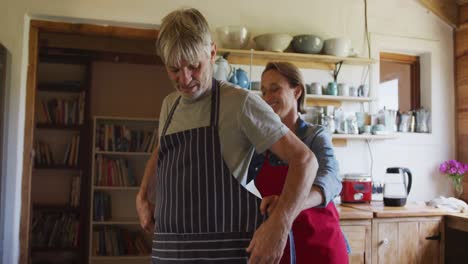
{"x": 332, "y": 88}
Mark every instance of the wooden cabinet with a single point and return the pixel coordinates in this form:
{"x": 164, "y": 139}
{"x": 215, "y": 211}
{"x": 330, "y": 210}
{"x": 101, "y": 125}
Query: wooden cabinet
{"x": 407, "y": 240}
{"x": 358, "y": 234}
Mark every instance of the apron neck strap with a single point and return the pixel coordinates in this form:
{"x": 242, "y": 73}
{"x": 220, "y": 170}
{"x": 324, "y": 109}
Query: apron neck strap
{"x": 214, "y": 111}
{"x": 214, "y": 115}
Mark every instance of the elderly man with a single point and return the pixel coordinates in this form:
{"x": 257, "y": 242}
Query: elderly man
{"x": 208, "y": 132}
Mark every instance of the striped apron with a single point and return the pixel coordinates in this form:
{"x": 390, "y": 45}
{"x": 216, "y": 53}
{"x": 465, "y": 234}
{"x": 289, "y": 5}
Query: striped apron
{"x": 203, "y": 214}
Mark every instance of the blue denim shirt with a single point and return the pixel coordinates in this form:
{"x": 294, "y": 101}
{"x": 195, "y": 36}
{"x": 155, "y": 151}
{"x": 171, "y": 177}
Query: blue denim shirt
{"x": 318, "y": 139}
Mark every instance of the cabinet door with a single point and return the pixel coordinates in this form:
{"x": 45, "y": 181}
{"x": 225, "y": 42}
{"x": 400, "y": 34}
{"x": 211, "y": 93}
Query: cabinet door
{"x": 358, "y": 234}
{"x": 429, "y": 242}
{"x": 385, "y": 243}
{"x": 406, "y": 240}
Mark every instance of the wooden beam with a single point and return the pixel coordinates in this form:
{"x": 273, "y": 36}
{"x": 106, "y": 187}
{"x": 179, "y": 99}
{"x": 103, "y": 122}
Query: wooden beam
{"x": 96, "y": 43}
{"x": 96, "y": 30}
{"x": 447, "y": 10}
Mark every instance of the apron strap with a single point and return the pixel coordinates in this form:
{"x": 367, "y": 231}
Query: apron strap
{"x": 215, "y": 99}
{"x": 169, "y": 117}
{"x": 214, "y": 116}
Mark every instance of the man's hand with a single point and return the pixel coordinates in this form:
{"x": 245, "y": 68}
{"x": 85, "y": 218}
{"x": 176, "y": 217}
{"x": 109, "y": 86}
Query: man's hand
{"x": 145, "y": 210}
{"x": 268, "y": 204}
{"x": 268, "y": 242}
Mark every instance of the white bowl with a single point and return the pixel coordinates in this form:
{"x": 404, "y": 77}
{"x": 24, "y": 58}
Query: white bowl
{"x": 339, "y": 47}
{"x": 233, "y": 37}
{"x": 277, "y": 42}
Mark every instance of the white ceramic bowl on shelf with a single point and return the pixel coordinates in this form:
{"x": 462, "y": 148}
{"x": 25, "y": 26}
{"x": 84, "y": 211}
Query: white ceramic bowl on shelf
{"x": 277, "y": 42}
{"x": 340, "y": 47}
{"x": 233, "y": 37}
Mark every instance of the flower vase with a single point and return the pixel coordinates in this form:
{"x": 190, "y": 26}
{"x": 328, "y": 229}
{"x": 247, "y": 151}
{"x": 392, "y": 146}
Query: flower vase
{"x": 457, "y": 181}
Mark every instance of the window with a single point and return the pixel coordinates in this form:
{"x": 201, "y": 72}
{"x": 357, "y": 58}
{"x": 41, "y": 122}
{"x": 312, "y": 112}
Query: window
{"x": 399, "y": 82}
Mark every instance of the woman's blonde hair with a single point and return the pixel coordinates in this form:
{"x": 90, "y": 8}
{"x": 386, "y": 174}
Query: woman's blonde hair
{"x": 293, "y": 76}
{"x": 184, "y": 35}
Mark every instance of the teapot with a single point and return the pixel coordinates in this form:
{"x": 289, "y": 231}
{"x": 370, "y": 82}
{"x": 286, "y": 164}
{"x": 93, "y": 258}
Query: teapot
{"x": 221, "y": 69}
{"x": 396, "y": 186}
{"x": 239, "y": 77}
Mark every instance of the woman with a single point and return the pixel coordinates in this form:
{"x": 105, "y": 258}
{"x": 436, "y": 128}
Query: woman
{"x": 316, "y": 231}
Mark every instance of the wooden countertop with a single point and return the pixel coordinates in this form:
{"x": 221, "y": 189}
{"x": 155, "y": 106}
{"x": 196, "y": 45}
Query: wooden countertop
{"x": 411, "y": 209}
{"x": 348, "y": 213}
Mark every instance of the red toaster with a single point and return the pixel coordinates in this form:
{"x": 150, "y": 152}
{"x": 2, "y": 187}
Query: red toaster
{"x": 357, "y": 188}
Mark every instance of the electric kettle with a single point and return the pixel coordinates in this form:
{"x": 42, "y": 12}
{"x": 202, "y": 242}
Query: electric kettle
{"x": 397, "y": 186}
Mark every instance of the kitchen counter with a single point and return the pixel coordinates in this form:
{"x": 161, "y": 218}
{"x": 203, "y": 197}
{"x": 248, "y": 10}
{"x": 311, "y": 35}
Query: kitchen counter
{"x": 411, "y": 209}
{"x": 348, "y": 213}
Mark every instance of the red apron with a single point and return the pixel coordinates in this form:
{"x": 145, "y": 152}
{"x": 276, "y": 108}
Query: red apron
{"x": 317, "y": 234}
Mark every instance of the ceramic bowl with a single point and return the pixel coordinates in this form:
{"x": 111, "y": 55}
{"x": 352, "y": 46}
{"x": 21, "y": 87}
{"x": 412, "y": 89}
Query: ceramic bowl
{"x": 233, "y": 37}
{"x": 339, "y": 47}
{"x": 310, "y": 44}
{"x": 277, "y": 42}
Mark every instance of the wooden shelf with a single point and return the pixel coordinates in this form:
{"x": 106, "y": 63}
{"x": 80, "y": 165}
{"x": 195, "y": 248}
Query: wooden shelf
{"x": 312, "y": 97}
{"x": 59, "y": 127}
{"x": 56, "y": 168}
{"x": 53, "y": 249}
{"x": 118, "y": 222}
{"x": 123, "y": 119}
{"x": 117, "y": 153}
{"x": 116, "y": 188}
{"x": 339, "y": 98}
{"x": 313, "y": 61}
{"x": 60, "y": 87}
{"x": 59, "y": 208}
{"x": 127, "y": 258}
{"x": 362, "y": 136}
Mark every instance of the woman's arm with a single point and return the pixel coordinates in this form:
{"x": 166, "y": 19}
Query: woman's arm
{"x": 327, "y": 183}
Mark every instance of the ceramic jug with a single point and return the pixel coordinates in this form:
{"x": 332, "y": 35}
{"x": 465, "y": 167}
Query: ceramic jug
{"x": 221, "y": 69}
{"x": 239, "y": 77}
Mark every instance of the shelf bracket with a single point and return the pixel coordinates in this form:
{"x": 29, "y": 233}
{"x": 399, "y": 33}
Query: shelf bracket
{"x": 226, "y": 55}
{"x": 336, "y": 71}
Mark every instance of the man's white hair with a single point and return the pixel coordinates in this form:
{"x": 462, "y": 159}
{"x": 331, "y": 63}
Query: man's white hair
{"x": 184, "y": 35}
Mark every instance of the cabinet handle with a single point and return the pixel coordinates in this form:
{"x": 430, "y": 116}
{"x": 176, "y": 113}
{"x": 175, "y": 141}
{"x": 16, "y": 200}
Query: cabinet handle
{"x": 384, "y": 241}
{"x": 434, "y": 237}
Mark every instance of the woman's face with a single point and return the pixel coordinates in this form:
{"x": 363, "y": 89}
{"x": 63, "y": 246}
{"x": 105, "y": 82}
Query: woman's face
{"x": 277, "y": 92}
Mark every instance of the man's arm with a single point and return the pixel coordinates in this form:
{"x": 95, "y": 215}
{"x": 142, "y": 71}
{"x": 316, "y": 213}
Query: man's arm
{"x": 145, "y": 207}
{"x": 269, "y": 240}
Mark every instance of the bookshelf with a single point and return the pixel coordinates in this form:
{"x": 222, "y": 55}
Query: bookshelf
{"x": 121, "y": 148}
{"x": 61, "y": 158}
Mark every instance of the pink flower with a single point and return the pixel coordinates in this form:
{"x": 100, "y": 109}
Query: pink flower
{"x": 453, "y": 167}
{"x": 443, "y": 167}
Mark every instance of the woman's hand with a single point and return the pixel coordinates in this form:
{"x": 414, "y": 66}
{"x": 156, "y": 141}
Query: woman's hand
{"x": 268, "y": 204}
{"x": 145, "y": 210}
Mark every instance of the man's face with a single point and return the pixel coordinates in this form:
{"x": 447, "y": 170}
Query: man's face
{"x": 193, "y": 79}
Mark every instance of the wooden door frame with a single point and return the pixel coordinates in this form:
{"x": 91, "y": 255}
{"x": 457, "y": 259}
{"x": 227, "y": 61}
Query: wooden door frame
{"x": 37, "y": 27}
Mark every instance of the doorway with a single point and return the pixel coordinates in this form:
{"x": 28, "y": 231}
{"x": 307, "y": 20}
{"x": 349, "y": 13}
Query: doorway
{"x": 76, "y": 51}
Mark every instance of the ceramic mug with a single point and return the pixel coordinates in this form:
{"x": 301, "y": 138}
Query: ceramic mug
{"x": 315, "y": 88}
{"x": 332, "y": 88}
{"x": 343, "y": 89}
{"x": 353, "y": 91}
